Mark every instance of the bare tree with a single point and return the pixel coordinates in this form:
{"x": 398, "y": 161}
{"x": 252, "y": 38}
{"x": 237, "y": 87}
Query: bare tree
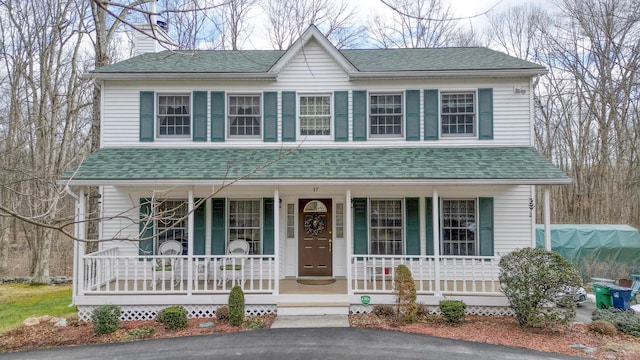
{"x": 46, "y": 115}
{"x": 586, "y": 108}
{"x": 415, "y": 24}
{"x": 288, "y": 19}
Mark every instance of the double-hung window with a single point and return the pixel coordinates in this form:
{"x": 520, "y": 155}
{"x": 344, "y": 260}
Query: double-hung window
{"x": 174, "y": 115}
{"x": 386, "y": 227}
{"x": 385, "y": 115}
{"x": 458, "y": 114}
{"x": 245, "y": 115}
{"x": 245, "y": 223}
{"x": 171, "y": 222}
{"x": 459, "y": 236}
{"x": 315, "y": 115}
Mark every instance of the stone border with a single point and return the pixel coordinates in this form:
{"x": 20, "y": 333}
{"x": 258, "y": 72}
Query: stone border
{"x": 55, "y": 280}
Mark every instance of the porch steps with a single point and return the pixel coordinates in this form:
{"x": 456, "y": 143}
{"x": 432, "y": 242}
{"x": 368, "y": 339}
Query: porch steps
{"x": 310, "y": 321}
{"x": 312, "y": 308}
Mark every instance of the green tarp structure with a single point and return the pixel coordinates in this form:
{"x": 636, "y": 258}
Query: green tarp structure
{"x": 606, "y": 243}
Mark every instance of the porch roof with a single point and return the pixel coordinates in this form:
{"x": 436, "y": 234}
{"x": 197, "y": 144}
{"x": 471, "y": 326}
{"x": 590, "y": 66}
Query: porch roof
{"x": 416, "y": 165}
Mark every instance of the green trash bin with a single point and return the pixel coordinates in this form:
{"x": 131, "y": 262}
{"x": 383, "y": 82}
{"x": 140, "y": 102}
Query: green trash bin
{"x": 603, "y": 296}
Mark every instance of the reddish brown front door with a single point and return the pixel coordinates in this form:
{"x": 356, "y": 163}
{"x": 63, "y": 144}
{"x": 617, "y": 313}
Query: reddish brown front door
{"x": 314, "y": 237}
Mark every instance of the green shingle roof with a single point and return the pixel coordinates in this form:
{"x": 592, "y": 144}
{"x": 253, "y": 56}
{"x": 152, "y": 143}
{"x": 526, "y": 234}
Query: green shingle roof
{"x": 522, "y": 164}
{"x": 378, "y": 60}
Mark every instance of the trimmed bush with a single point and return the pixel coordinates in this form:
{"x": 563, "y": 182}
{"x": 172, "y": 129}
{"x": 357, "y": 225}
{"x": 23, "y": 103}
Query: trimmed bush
{"x": 625, "y": 321}
{"x": 236, "y": 306}
{"x": 405, "y": 290}
{"x": 174, "y": 317}
{"x": 222, "y": 312}
{"x": 531, "y": 279}
{"x": 106, "y": 319}
{"x": 384, "y": 310}
{"x": 603, "y": 327}
{"x": 453, "y": 310}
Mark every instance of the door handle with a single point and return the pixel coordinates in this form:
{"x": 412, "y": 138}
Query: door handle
{"x": 330, "y": 244}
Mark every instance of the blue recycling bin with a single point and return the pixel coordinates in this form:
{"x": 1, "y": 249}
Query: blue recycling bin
{"x": 620, "y": 297}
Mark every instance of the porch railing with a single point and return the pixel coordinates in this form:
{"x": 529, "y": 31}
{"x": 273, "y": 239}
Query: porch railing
{"x": 448, "y": 275}
{"x": 107, "y": 272}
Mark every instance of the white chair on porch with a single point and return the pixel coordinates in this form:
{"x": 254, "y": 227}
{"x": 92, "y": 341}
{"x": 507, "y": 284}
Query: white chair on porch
{"x": 167, "y": 268}
{"x": 233, "y": 269}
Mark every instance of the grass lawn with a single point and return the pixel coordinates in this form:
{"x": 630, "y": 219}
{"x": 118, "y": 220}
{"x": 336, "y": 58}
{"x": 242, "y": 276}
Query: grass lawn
{"x": 20, "y": 301}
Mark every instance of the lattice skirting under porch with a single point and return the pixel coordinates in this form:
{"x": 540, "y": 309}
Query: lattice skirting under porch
{"x": 471, "y": 310}
{"x": 149, "y": 312}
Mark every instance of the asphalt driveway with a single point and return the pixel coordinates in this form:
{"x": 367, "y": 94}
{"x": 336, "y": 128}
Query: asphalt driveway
{"x": 290, "y": 344}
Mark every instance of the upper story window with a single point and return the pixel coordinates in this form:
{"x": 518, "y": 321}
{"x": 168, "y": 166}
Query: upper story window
{"x": 385, "y": 115}
{"x": 174, "y": 115}
{"x": 458, "y": 113}
{"x": 386, "y": 229}
{"x": 245, "y": 115}
{"x": 315, "y": 115}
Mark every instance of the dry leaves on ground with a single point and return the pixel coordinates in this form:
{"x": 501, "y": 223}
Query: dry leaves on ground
{"x": 497, "y": 330}
{"x": 504, "y": 330}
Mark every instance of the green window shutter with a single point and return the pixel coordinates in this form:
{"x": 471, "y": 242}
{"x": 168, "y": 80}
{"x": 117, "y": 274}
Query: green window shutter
{"x": 360, "y": 226}
{"x": 199, "y": 116}
{"x": 431, "y": 109}
{"x": 485, "y": 226}
{"x": 268, "y": 245}
{"x": 341, "y": 115}
{"x": 199, "y": 229}
{"x": 429, "y": 227}
{"x": 147, "y": 115}
{"x": 218, "y": 227}
{"x": 288, "y": 116}
{"x": 270, "y": 116}
{"x": 412, "y": 227}
{"x": 145, "y": 247}
{"x": 413, "y": 115}
{"x": 359, "y": 115}
{"x": 485, "y": 114}
{"x": 218, "y": 118}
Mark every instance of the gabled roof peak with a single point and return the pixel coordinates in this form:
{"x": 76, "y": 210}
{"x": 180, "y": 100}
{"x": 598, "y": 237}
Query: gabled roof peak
{"x": 313, "y": 33}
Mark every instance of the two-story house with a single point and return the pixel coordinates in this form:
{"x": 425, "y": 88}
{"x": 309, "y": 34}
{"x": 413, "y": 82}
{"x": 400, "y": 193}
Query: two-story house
{"x": 265, "y": 169}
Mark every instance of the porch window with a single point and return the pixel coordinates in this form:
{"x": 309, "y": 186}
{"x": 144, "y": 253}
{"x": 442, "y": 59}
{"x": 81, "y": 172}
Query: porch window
{"x": 171, "y": 223}
{"x": 458, "y": 113}
{"x": 339, "y": 215}
{"x": 459, "y": 227}
{"x": 385, "y": 115}
{"x": 385, "y": 227}
{"x": 315, "y": 115}
{"x": 245, "y": 224}
{"x": 245, "y": 115}
{"x": 291, "y": 221}
{"x": 174, "y": 115}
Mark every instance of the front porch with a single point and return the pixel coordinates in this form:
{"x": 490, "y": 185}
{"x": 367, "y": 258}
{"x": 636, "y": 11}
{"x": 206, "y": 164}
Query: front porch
{"x": 146, "y": 284}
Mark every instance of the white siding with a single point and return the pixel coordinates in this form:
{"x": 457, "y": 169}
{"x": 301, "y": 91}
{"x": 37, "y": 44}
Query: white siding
{"x": 512, "y": 225}
{"x": 314, "y": 71}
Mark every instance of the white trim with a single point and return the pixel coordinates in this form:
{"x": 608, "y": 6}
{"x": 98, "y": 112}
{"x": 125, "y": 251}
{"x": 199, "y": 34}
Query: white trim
{"x": 312, "y": 33}
{"x": 276, "y": 238}
{"x": 275, "y": 182}
{"x": 435, "y": 202}
{"x": 435, "y": 74}
{"x": 547, "y": 219}
{"x": 190, "y": 235}
{"x": 348, "y": 238}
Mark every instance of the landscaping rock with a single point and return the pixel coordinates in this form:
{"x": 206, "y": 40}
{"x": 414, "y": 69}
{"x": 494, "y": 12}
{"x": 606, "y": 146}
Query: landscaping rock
{"x": 31, "y": 321}
{"x": 206, "y": 324}
{"x": 45, "y": 318}
{"x": 61, "y": 323}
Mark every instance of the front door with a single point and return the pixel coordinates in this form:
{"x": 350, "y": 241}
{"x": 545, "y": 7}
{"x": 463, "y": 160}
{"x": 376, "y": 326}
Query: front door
{"x": 314, "y": 237}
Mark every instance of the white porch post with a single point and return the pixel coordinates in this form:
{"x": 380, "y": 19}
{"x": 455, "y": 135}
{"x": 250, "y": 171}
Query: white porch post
{"x": 349, "y": 239}
{"x": 190, "y": 243}
{"x": 547, "y": 219}
{"x": 436, "y": 240}
{"x": 276, "y": 240}
{"x": 80, "y": 245}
